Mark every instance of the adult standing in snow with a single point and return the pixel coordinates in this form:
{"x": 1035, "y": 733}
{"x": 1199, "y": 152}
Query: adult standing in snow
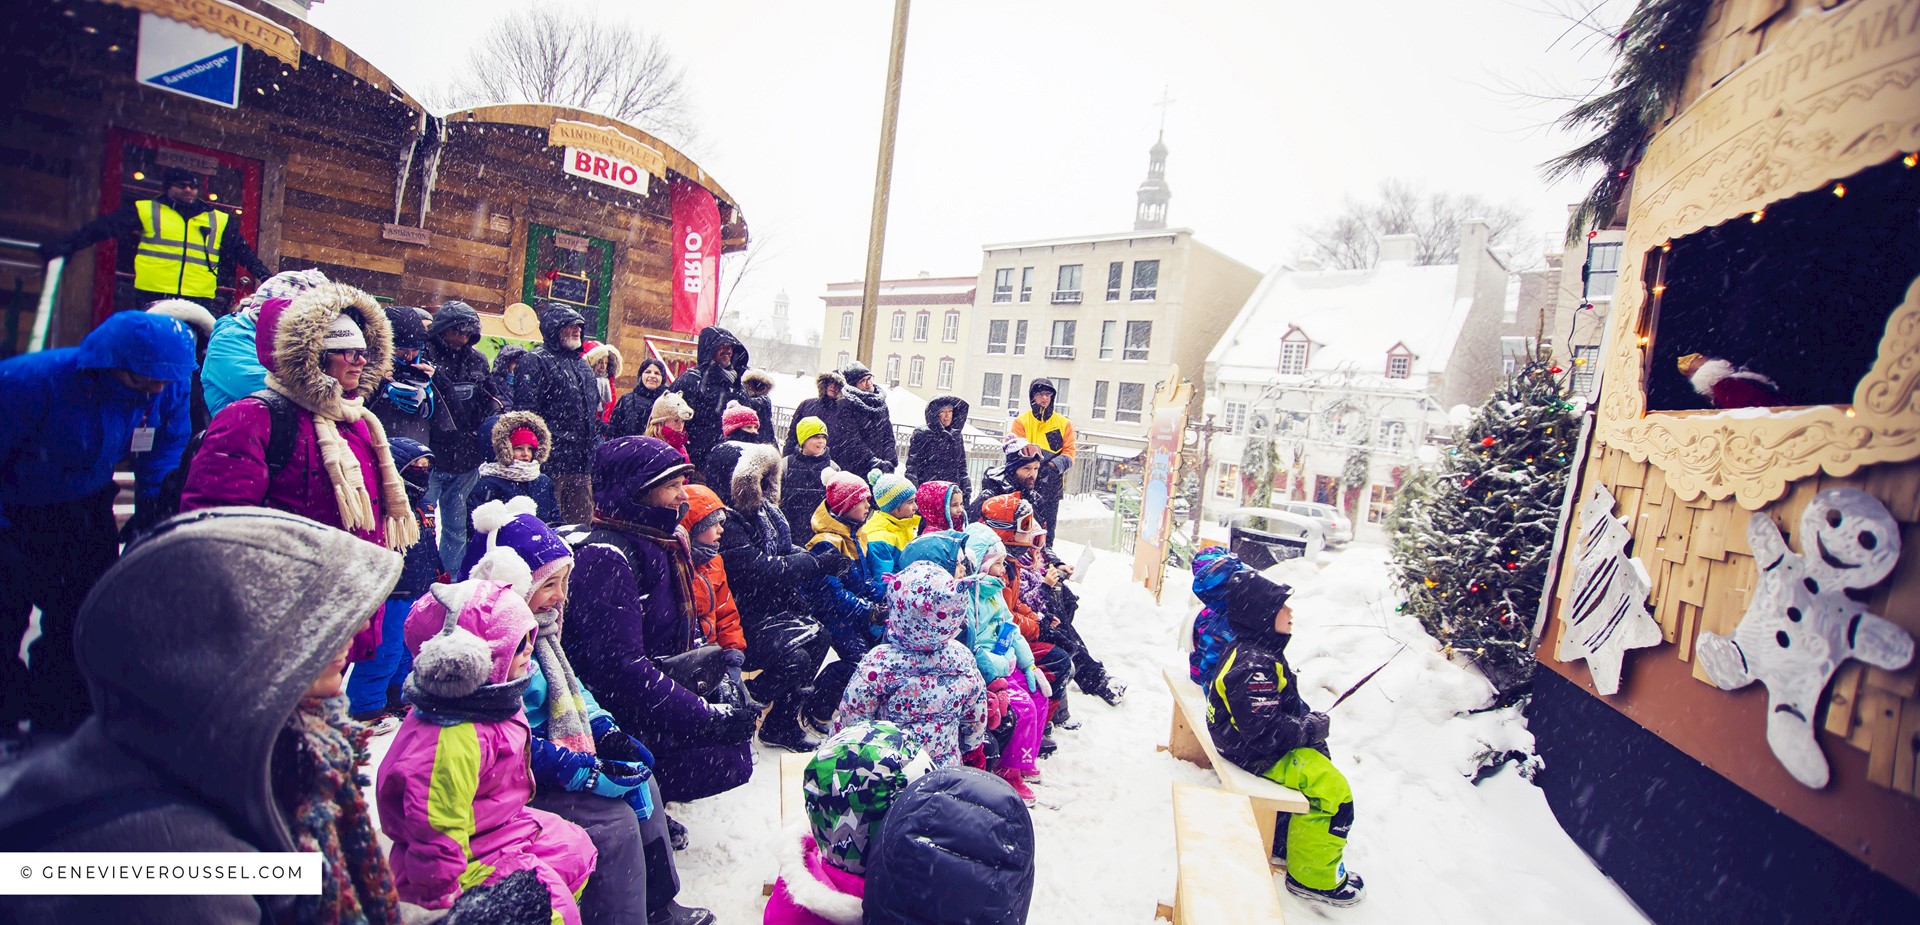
{"x": 720, "y": 360}
{"x": 846, "y": 443}
{"x": 1049, "y": 430}
{"x": 71, "y": 415}
{"x": 631, "y": 413}
{"x": 938, "y": 451}
{"x": 405, "y": 403}
{"x": 606, "y": 361}
{"x": 555, "y": 383}
{"x": 232, "y": 368}
{"x": 220, "y": 728}
{"x": 756, "y": 389}
{"x": 861, "y": 417}
{"x": 180, "y": 243}
{"x": 461, "y": 382}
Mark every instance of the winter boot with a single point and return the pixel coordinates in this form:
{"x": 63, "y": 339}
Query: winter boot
{"x": 782, "y": 729}
{"x": 1349, "y": 892}
{"x": 675, "y": 914}
{"x": 1019, "y": 785}
{"x": 1111, "y": 691}
{"x": 1063, "y": 718}
{"x": 1048, "y": 746}
{"x": 676, "y": 834}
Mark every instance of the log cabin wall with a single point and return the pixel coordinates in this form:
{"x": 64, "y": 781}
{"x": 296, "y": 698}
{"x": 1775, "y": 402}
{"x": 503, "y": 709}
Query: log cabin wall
{"x": 1785, "y": 97}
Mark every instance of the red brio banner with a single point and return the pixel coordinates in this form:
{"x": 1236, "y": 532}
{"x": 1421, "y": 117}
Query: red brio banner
{"x": 696, "y": 257}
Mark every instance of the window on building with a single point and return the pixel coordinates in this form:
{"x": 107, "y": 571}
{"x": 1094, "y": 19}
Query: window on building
{"x": 1066, "y": 285}
{"x": 1020, "y": 338}
{"x": 1602, "y": 271}
{"x": 1127, "y": 405}
{"x": 1380, "y": 503}
{"x": 943, "y": 377}
{"x": 1109, "y": 337}
{"x": 1295, "y": 351}
{"x": 898, "y": 328}
{"x": 997, "y": 336}
{"x": 950, "y": 328}
{"x": 1336, "y": 424}
{"x": 1139, "y": 339}
{"x": 1234, "y": 417}
{"x": 990, "y": 390}
{"x": 893, "y": 369}
{"x": 1399, "y": 366}
{"x": 1014, "y": 396}
{"x": 917, "y": 372}
{"x": 1586, "y": 366}
{"x": 1115, "y": 270}
{"x": 1514, "y": 352}
{"x": 922, "y": 322}
{"x": 840, "y": 362}
{"x": 1393, "y": 436}
{"x": 1146, "y": 279}
{"x": 1026, "y": 284}
{"x": 1003, "y": 284}
{"x": 1226, "y": 483}
{"x": 1061, "y": 347}
{"x": 846, "y": 325}
{"x": 1099, "y": 399}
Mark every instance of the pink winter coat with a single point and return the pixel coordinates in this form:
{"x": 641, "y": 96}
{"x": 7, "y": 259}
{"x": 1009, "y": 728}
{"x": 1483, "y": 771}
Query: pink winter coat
{"x": 231, "y": 467}
{"x": 811, "y": 891}
{"x": 454, "y": 798}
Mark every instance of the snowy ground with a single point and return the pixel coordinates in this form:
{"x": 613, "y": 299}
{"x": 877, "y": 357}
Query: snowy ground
{"x": 1432, "y": 846}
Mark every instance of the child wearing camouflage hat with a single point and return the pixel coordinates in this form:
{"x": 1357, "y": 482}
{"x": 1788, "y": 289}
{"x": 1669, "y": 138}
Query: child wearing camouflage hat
{"x": 848, "y": 787}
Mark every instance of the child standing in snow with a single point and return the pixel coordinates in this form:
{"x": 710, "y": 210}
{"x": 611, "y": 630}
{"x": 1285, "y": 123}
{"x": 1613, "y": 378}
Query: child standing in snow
{"x": 1259, "y": 722}
{"x": 521, "y": 443}
{"x": 894, "y": 523}
{"x": 453, "y": 790}
{"x": 803, "y": 483}
{"x": 922, "y": 678}
{"x": 847, "y": 789}
{"x": 1211, "y": 634}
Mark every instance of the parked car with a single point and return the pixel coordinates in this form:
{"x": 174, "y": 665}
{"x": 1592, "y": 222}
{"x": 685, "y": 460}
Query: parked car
{"x": 1262, "y": 536}
{"x": 1334, "y": 524}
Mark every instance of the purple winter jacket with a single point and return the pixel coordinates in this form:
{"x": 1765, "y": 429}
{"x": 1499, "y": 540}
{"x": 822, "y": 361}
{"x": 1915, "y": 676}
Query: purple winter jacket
{"x": 231, "y": 467}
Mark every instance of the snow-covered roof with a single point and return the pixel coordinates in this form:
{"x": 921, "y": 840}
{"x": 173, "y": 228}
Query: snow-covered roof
{"x": 1352, "y": 318}
{"x": 960, "y": 287}
{"x": 1091, "y": 238}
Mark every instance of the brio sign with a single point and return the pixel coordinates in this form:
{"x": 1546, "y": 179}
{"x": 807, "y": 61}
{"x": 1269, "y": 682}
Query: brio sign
{"x": 611, "y": 171}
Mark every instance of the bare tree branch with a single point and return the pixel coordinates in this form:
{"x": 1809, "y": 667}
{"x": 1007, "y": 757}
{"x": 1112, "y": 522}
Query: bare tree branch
{"x": 579, "y": 59}
{"x": 1350, "y": 239}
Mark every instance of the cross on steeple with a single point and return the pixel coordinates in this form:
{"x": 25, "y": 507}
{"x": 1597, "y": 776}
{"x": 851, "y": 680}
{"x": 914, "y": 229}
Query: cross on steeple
{"x": 1163, "y": 103}
{"x": 1150, "y": 206}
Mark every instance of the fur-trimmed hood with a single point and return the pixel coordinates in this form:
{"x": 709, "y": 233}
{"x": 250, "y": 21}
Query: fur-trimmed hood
{"x": 290, "y": 341}
{"x": 828, "y": 378}
{"x": 799, "y": 857}
{"x": 605, "y": 360}
{"x": 502, "y": 436}
{"x": 756, "y": 478}
{"x": 756, "y": 383}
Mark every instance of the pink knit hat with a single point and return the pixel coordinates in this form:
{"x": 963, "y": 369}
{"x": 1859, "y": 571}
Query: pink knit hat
{"x": 844, "y": 490}
{"x": 737, "y": 416}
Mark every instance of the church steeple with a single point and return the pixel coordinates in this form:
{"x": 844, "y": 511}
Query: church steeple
{"x": 1151, "y": 211}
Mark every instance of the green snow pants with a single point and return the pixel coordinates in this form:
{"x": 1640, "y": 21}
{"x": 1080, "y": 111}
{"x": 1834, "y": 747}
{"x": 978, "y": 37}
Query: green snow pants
{"x": 1316, "y": 839}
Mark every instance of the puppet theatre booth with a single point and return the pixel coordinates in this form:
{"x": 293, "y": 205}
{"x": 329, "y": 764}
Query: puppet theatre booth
{"x": 1728, "y": 703}
{"x": 325, "y": 163}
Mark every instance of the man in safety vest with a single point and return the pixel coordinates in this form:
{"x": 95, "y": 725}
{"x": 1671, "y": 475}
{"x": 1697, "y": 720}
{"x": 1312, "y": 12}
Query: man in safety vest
{"x": 180, "y": 243}
{"x": 1049, "y": 430}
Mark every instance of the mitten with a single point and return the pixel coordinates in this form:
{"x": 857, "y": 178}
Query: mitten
{"x": 877, "y": 615}
{"x": 728, "y": 724}
{"x": 734, "y": 657}
{"x": 616, "y": 778}
{"x": 800, "y": 566}
{"x": 997, "y": 698}
{"x": 622, "y": 747}
{"x": 1037, "y": 681}
{"x": 1316, "y": 726}
{"x": 518, "y": 897}
{"x": 832, "y": 561}
{"x": 1062, "y": 462}
{"x": 641, "y": 799}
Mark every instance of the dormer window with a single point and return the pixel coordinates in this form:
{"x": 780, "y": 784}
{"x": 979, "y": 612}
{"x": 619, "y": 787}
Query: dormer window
{"x": 1399, "y": 361}
{"x": 1295, "y": 348}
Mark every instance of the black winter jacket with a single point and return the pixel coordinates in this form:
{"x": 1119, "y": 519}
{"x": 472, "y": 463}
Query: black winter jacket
{"x": 707, "y": 389}
{"x": 764, "y": 567}
{"x": 939, "y": 454}
{"x": 631, "y": 414}
{"x": 956, "y": 847}
{"x": 863, "y": 416}
{"x": 994, "y": 483}
{"x": 463, "y": 384}
{"x": 559, "y": 386}
{"x": 1254, "y": 709}
{"x": 801, "y": 488}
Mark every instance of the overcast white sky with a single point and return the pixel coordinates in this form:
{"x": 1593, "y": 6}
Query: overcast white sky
{"x": 1032, "y": 118}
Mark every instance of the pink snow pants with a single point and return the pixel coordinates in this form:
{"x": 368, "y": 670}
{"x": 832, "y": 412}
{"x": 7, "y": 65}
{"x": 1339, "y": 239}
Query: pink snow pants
{"x": 1030, "y": 721}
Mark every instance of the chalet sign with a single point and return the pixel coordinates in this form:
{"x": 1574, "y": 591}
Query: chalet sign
{"x": 602, "y": 168}
{"x": 606, "y": 142}
{"x": 227, "y": 19}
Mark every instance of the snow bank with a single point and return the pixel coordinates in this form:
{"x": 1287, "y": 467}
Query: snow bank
{"x": 1084, "y": 507}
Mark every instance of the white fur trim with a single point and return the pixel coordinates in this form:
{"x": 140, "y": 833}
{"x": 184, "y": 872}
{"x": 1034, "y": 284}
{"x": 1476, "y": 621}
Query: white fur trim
{"x": 807, "y": 891}
{"x": 488, "y": 518}
{"x": 503, "y": 565}
{"x": 1712, "y": 372}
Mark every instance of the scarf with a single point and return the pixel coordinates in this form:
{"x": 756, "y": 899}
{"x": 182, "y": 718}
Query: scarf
{"x": 702, "y": 552}
{"x": 676, "y": 439}
{"x": 328, "y": 815}
{"x": 492, "y": 703}
{"x": 680, "y": 549}
{"x": 567, "y": 722}
{"x": 515, "y": 471}
{"x": 343, "y": 469}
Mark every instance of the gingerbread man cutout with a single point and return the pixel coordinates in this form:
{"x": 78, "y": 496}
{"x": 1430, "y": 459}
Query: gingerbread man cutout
{"x": 1802, "y": 623}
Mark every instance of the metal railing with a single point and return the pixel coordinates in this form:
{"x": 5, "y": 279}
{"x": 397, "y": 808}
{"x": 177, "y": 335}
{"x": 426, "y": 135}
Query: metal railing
{"x": 1142, "y": 295}
{"x": 1066, "y": 297}
{"x": 1060, "y": 353}
{"x": 23, "y": 266}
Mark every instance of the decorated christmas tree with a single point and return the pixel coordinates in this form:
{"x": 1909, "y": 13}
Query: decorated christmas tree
{"x": 1471, "y": 550}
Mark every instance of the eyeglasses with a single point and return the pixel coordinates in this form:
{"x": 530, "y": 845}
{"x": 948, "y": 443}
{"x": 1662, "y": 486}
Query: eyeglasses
{"x": 353, "y": 354}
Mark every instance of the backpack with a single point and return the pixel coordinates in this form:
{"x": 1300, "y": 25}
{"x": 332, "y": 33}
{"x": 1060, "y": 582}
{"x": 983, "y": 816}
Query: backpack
{"x": 280, "y": 440}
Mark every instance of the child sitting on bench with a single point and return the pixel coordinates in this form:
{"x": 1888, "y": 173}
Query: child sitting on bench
{"x": 1259, "y": 722}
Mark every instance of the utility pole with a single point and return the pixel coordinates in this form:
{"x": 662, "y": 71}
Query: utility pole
{"x": 882, "y": 189}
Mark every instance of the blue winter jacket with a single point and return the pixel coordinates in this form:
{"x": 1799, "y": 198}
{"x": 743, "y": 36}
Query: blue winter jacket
{"x": 555, "y": 765}
{"x": 68, "y": 421}
{"x": 1211, "y": 634}
{"x": 232, "y": 370}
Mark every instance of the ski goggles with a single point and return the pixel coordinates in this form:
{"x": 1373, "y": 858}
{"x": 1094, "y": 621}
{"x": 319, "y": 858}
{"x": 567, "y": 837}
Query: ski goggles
{"x": 1022, "y": 524}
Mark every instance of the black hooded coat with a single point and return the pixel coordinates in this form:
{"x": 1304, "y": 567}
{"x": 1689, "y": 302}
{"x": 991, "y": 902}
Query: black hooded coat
{"x": 462, "y": 384}
{"x": 556, "y": 384}
{"x": 940, "y": 453}
{"x": 955, "y": 847}
{"x": 631, "y": 414}
{"x": 861, "y": 415}
{"x": 707, "y": 388}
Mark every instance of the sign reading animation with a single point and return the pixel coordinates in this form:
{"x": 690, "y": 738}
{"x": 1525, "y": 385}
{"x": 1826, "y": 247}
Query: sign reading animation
{"x": 696, "y": 257}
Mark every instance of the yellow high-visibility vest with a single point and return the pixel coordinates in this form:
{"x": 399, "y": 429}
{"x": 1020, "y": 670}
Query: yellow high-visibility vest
{"x": 178, "y": 255}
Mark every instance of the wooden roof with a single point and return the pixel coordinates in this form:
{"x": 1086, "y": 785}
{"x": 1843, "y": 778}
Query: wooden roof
{"x": 543, "y": 115}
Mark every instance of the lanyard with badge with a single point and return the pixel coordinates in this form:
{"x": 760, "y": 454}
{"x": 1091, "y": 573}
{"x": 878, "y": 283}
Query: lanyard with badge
{"x": 142, "y": 434}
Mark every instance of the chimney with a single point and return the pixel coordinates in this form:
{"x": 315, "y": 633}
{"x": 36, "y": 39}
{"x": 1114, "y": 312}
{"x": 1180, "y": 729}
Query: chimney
{"x": 1398, "y": 248}
{"x": 1473, "y": 256}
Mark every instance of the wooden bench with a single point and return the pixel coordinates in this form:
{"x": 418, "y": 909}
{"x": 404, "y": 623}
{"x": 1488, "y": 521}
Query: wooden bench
{"x": 1188, "y": 740}
{"x": 1221, "y": 878}
{"x": 793, "y": 769}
